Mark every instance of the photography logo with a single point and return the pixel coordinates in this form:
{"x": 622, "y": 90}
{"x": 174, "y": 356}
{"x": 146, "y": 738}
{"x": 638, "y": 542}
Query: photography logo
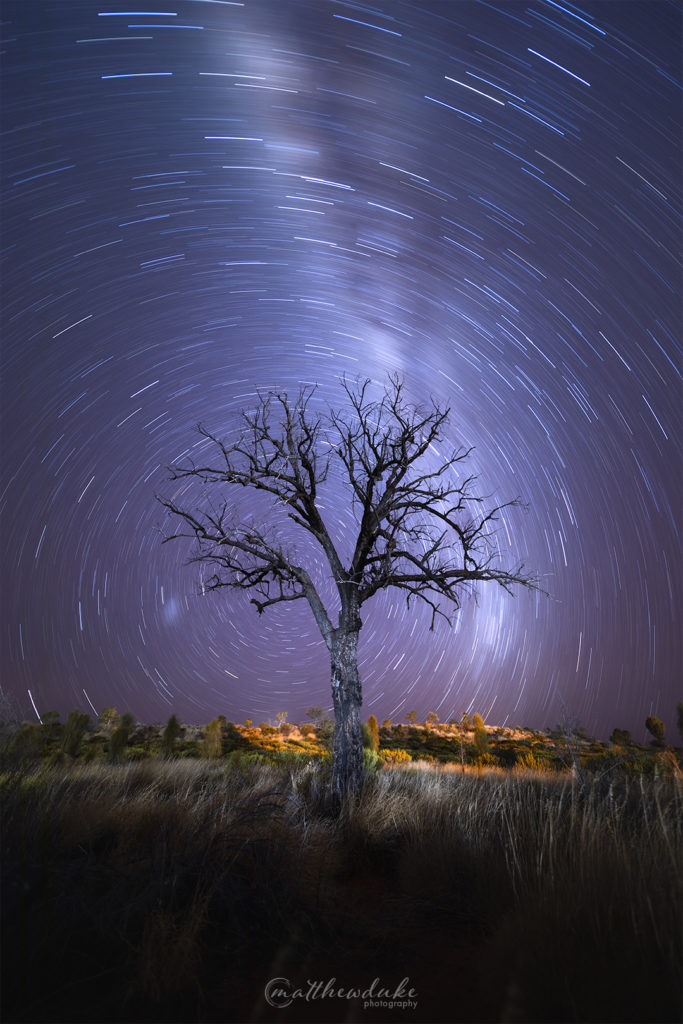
{"x": 281, "y": 992}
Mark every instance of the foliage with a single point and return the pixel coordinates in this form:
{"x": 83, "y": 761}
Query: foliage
{"x": 118, "y": 740}
{"x": 108, "y": 719}
{"x": 75, "y": 729}
{"x": 621, "y": 738}
{"x": 324, "y": 726}
{"x": 481, "y": 739}
{"x": 655, "y": 726}
{"x": 394, "y": 757}
{"x": 374, "y": 733}
{"x": 212, "y": 744}
{"x": 173, "y": 731}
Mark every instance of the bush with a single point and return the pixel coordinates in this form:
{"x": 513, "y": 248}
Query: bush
{"x": 119, "y": 738}
{"x": 394, "y": 757}
{"x": 371, "y": 760}
{"x": 212, "y": 744}
{"x": 172, "y": 732}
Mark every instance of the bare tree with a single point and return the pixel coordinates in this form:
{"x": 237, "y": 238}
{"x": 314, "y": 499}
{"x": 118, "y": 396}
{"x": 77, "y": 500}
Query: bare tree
{"x": 416, "y": 528}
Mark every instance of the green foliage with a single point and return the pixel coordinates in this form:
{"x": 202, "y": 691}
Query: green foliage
{"x": 621, "y": 738}
{"x": 466, "y": 721}
{"x": 267, "y": 730}
{"x": 432, "y": 719}
{"x": 371, "y": 760}
{"x": 75, "y": 729}
{"x": 212, "y": 744}
{"x": 172, "y": 732}
{"x": 411, "y": 716}
{"x": 307, "y": 729}
{"x": 323, "y": 724}
{"x": 27, "y": 742}
{"x": 118, "y": 740}
{"x": 655, "y": 726}
{"x": 481, "y": 739}
{"x": 108, "y": 719}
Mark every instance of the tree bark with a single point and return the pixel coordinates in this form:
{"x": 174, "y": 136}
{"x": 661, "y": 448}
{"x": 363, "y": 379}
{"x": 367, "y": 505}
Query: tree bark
{"x": 347, "y": 762}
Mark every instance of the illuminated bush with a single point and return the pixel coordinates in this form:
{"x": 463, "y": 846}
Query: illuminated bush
{"x": 394, "y": 757}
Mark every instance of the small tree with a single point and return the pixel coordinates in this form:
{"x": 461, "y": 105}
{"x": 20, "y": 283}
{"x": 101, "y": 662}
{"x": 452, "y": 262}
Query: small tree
{"x": 481, "y": 739}
{"x": 172, "y": 732}
{"x": 621, "y": 738}
{"x": 373, "y": 729}
{"x": 432, "y": 719}
{"x": 108, "y": 719}
{"x": 74, "y": 730}
{"x": 118, "y": 740}
{"x": 212, "y": 745}
{"x": 655, "y": 726}
{"x": 411, "y": 716}
{"x": 281, "y": 717}
{"x": 466, "y": 721}
{"x": 418, "y": 528}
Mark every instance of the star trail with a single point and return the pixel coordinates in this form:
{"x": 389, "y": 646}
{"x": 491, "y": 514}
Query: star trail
{"x": 207, "y": 198}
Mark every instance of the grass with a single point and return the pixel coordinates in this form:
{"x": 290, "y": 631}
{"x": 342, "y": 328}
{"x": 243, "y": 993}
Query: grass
{"x": 174, "y": 890}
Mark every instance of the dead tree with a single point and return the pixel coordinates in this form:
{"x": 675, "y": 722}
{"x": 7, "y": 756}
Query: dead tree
{"x": 417, "y": 526}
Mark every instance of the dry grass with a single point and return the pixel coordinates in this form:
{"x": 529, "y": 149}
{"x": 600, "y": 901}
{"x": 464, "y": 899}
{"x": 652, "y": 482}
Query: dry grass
{"x": 175, "y": 890}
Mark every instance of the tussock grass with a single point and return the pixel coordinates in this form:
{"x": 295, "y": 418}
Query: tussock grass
{"x": 174, "y": 890}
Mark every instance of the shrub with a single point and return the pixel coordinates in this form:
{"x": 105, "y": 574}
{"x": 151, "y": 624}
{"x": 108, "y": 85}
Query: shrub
{"x": 212, "y": 744}
{"x": 621, "y": 738}
{"x": 171, "y": 733}
{"x": 371, "y": 760}
{"x": 374, "y": 732}
{"x": 655, "y": 726}
{"x": 481, "y": 739}
{"x": 394, "y": 757}
{"x": 74, "y": 730}
{"x": 119, "y": 738}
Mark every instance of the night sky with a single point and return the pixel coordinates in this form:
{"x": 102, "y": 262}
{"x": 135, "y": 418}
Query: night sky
{"x": 204, "y": 198}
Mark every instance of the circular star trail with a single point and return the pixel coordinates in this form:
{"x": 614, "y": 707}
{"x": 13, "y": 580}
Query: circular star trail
{"x": 204, "y": 198}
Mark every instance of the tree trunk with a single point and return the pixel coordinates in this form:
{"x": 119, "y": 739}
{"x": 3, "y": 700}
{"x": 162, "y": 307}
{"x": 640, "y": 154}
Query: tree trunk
{"x": 347, "y": 762}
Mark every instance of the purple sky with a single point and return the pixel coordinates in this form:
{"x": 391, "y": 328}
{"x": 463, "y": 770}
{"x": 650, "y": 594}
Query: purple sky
{"x": 203, "y": 198}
